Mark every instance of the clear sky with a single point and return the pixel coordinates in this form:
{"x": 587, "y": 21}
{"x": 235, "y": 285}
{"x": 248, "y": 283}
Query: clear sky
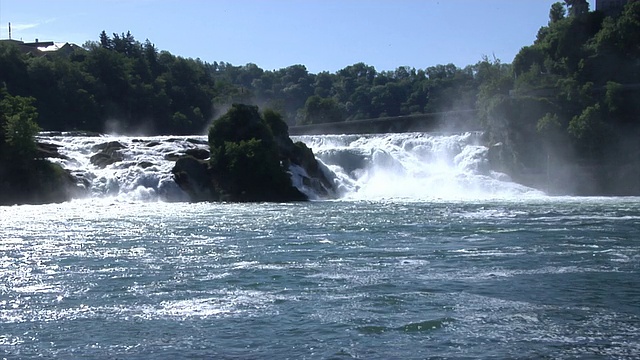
{"x": 323, "y": 35}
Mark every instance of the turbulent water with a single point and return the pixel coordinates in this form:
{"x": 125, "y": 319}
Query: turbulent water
{"x": 429, "y": 254}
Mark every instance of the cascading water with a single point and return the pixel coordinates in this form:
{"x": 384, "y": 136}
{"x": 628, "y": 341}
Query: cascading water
{"x": 139, "y": 168}
{"x": 408, "y": 166}
{"x": 413, "y": 166}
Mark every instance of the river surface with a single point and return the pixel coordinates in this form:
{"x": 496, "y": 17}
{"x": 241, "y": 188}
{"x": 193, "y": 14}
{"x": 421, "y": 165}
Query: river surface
{"x": 424, "y": 256}
{"x": 546, "y": 278}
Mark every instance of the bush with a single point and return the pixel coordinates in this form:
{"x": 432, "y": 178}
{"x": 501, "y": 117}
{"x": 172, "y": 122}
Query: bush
{"x": 18, "y": 128}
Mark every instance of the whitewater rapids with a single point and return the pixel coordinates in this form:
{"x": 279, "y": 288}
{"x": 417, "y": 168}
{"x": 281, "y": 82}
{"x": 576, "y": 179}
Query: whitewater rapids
{"x": 419, "y": 166}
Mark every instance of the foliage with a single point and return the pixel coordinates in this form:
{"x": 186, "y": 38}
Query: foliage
{"x": 18, "y": 128}
{"x": 577, "y": 7}
{"x": 23, "y": 177}
{"x": 590, "y": 130}
{"x": 573, "y": 94}
{"x": 556, "y": 13}
{"x": 118, "y": 84}
{"x": 245, "y": 159}
{"x": 318, "y": 110}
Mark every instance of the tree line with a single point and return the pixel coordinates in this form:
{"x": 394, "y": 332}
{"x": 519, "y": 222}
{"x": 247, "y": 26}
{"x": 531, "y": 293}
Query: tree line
{"x": 572, "y": 97}
{"x": 120, "y": 84}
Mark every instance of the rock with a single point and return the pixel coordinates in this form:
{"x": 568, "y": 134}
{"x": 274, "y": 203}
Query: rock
{"x": 303, "y": 157}
{"x": 108, "y": 153}
{"x": 173, "y": 156}
{"x": 200, "y": 154}
{"x": 47, "y": 150}
{"x": 37, "y": 182}
{"x": 250, "y": 156}
{"x": 108, "y": 146}
{"x": 197, "y": 141}
{"x": 193, "y": 176}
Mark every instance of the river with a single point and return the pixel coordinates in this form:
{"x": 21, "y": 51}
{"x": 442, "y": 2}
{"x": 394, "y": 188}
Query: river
{"x": 427, "y": 254}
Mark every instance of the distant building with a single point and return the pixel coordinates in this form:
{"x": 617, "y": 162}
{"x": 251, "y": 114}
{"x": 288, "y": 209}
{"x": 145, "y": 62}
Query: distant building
{"x": 42, "y": 48}
{"x": 611, "y": 7}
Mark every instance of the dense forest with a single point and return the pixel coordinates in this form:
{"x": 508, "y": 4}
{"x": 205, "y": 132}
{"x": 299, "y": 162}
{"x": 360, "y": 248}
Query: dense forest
{"x": 572, "y": 97}
{"x": 568, "y": 106}
{"x": 121, "y": 84}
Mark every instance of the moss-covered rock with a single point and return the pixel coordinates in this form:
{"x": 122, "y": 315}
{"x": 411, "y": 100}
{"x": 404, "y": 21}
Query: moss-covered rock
{"x": 250, "y": 154}
{"x": 37, "y": 182}
{"x": 25, "y": 176}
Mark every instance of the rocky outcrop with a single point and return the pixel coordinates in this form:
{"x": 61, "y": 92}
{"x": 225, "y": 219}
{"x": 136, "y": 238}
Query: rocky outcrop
{"x": 194, "y": 177}
{"x": 316, "y": 179}
{"x": 250, "y": 156}
{"x": 200, "y": 154}
{"x": 47, "y": 150}
{"x": 108, "y": 153}
{"x": 36, "y": 182}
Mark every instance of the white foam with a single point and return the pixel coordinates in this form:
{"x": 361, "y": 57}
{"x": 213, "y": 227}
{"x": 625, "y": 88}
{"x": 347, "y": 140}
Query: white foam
{"x": 144, "y": 174}
{"x": 411, "y": 166}
{"x": 414, "y": 166}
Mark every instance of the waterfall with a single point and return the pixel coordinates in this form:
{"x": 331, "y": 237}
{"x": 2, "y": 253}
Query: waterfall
{"x": 136, "y": 168}
{"x": 418, "y": 166}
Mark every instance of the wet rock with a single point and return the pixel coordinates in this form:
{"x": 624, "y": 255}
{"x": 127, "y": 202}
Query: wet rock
{"x": 108, "y": 153}
{"x": 46, "y": 150}
{"x": 194, "y": 177}
{"x": 108, "y": 146}
{"x": 37, "y": 182}
{"x": 303, "y": 156}
{"x": 197, "y": 141}
{"x": 173, "y": 156}
{"x": 200, "y": 154}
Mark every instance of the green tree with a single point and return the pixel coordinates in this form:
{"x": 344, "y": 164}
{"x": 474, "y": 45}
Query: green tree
{"x": 318, "y": 110}
{"x": 245, "y": 159}
{"x": 556, "y": 13}
{"x": 19, "y": 128}
{"x": 13, "y": 69}
{"x": 577, "y": 7}
{"x": 590, "y": 131}
{"x": 105, "y": 41}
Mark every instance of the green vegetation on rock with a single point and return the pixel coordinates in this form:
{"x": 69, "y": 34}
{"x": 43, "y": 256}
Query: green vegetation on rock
{"x": 245, "y": 160}
{"x": 25, "y": 178}
{"x": 250, "y": 158}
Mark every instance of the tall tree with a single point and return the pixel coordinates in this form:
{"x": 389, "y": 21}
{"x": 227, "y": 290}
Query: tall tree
{"x": 556, "y": 13}
{"x": 577, "y": 7}
{"x": 105, "y": 41}
{"x": 18, "y": 127}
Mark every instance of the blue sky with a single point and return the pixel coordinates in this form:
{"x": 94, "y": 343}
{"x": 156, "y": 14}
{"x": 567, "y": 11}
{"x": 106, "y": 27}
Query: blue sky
{"x": 323, "y": 35}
